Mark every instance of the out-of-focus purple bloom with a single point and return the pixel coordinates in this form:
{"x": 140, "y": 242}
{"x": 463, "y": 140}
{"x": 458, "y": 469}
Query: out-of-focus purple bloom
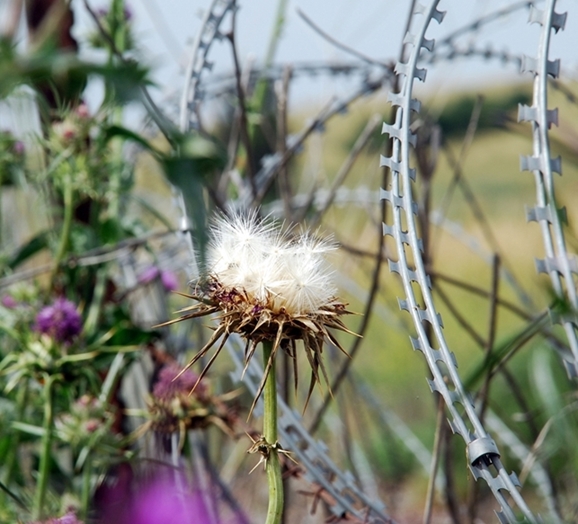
{"x": 163, "y": 501}
{"x": 61, "y": 320}
{"x": 168, "y": 278}
{"x": 18, "y": 147}
{"x": 68, "y": 518}
{"x": 9, "y": 302}
{"x": 168, "y": 387}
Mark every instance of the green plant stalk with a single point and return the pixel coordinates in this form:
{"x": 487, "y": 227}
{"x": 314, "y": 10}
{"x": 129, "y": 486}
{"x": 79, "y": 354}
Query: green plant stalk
{"x": 85, "y": 496}
{"x": 44, "y": 468}
{"x": 272, "y": 465}
{"x": 260, "y": 90}
{"x": 12, "y": 455}
{"x": 66, "y": 227}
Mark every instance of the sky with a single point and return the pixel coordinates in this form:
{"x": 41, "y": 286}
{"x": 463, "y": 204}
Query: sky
{"x": 166, "y": 29}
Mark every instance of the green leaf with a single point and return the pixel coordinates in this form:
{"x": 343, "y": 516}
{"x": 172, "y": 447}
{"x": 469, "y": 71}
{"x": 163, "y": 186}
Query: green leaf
{"x": 198, "y": 159}
{"x": 28, "y": 428}
{"x": 115, "y": 131}
{"x": 33, "y": 246}
{"x": 505, "y": 351}
{"x": 111, "y": 231}
{"x": 49, "y": 66}
{"x": 186, "y": 174}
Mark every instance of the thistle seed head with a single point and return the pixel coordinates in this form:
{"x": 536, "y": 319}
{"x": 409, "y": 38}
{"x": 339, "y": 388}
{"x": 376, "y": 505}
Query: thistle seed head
{"x": 267, "y": 285}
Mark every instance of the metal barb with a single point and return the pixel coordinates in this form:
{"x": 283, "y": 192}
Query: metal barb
{"x": 557, "y": 263}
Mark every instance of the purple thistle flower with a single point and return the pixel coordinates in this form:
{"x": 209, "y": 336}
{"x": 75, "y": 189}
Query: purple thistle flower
{"x": 162, "y": 501}
{"x": 168, "y": 278}
{"x": 60, "y": 320}
{"x": 168, "y": 387}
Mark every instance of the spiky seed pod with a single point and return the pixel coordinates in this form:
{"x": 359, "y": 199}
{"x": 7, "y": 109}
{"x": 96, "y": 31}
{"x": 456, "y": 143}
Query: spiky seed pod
{"x": 267, "y": 285}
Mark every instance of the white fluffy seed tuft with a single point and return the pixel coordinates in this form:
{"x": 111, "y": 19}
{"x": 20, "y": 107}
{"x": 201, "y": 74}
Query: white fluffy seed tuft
{"x": 251, "y": 255}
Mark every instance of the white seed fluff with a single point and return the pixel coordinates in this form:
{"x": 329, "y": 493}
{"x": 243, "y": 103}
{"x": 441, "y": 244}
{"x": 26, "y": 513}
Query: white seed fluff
{"x": 252, "y": 256}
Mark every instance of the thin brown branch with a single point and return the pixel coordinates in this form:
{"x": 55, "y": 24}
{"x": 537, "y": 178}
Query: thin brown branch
{"x": 493, "y": 319}
{"x": 327, "y": 112}
{"x": 92, "y": 257}
{"x": 468, "y": 328}
{"x": 290, "y": 151}
{"x": 338, "y": 44}
{"x": 457, "y": 164}
{"x": 437, "y": 446}
{"x": 244, "y": 123}
{"x": 282, "y": 89}
{"x": 451, "y": 493}
{"x": 373, "y": 290}
{"x": 537, "y": 326}
{"x": 345, "y": 169}
{"x": 233, "y": 143}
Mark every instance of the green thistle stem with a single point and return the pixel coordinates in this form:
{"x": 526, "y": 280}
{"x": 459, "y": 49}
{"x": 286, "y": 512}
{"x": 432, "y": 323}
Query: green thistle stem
{"x": 66, "y": 227}
{"x": 46, "y": 445}
{"x": 11, "y": 454}
{"x": 273, "y": 466}
{"x": 85, "y": 496}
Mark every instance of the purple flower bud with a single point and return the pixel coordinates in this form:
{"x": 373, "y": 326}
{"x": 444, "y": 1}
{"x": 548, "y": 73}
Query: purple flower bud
{"x": 102, "y": 12}
{"x": 66, "y": 131}
{"x": 149, "y": 274}
{"x": 18, "y": 147}
{"x": 9, "y": 302}
{"x": 92, "y": 425}
{"x": 82, "y": 111}
{"x": 61, "y": 320}
{"x": 168, "y": 278}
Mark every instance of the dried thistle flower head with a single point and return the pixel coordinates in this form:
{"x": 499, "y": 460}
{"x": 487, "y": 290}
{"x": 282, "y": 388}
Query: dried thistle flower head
{"x": 173, "y": 409}
{"x": 267, "y": 286}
